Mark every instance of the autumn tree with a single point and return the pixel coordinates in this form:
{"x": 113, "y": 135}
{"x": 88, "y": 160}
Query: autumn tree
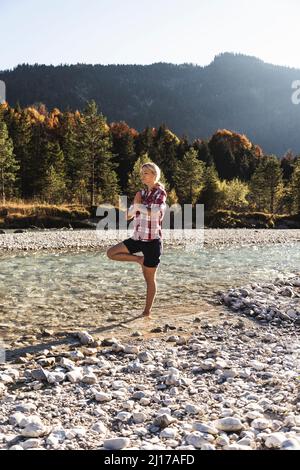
{"x": 233, "y": 154}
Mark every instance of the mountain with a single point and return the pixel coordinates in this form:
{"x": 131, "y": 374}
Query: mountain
{"x": 236, "y": 92}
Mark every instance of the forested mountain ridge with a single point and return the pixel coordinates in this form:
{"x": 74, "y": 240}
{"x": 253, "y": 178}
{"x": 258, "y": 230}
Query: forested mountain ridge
{"x": 235, "y": 91}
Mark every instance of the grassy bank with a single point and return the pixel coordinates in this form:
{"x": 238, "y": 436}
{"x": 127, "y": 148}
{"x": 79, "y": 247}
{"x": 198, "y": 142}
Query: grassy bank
{"x": 30, "y": 215}
{"x": 231, "y": 219}
{"x": 22, "y": 215}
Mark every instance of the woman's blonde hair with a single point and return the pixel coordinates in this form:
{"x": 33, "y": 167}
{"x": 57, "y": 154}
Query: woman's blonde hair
{"x": 155, "y": 170}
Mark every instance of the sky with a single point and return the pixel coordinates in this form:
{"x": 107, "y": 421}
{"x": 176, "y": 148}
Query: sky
{"x": 147, "y": 31}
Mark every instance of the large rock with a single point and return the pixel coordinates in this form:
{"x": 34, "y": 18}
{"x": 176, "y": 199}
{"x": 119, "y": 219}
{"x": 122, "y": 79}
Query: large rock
{"x": 290, "y": 444}
{"x": 26, "y": 420}
{"x": 31, "y": 443}
{"x": 229, "y": 424}
{"x": 85, "y": 338}
{"x": 74, "y": 375}
{"x": 55, "y": 377}
{"x": 102, "y": 397}
{"x": 34, "y": 430}
{"x": 16, "y": 419}
{"x": 116, "y": 443}
{"x": 275, "y": 440}
{"x": 99, "y": 427}
{"x": 196, "y": 439}
{"x": 26, "y": 407}
{"x": 206, "y": 428}
{"x": 261, "y": 423}
{"x": 39, "y": 374}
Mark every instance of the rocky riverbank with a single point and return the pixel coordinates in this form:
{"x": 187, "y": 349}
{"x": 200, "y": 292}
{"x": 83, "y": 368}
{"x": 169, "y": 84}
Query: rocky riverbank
{"x": 233, "y": 385}
{"x": 277, "y": 302}
{"x": 61, "y": 240}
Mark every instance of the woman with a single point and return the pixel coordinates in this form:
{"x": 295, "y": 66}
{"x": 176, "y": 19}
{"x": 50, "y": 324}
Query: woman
{"x": 148, "y": 210}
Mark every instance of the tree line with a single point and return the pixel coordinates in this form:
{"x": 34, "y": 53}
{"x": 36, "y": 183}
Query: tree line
{"x": 77, "y": 157}
{"x": 236, "y": 91}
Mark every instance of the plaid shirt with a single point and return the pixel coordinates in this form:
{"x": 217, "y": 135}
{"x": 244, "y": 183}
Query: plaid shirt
{"x": 147, "y": 224}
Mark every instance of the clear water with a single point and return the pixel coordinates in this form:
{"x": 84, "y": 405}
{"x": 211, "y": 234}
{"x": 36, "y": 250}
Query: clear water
{"x": 84, "y": 289}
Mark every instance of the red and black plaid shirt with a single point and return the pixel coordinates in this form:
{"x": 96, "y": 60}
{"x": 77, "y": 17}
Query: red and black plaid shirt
{"x": 147, "y": 224}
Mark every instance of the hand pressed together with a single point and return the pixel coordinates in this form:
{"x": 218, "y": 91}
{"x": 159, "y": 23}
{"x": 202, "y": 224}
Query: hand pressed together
{"x": 137, "y": 198}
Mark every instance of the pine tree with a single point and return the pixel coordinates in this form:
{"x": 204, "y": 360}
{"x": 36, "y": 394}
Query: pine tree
{"x": 18, "y": 108}
{"x": 144, "y": 141}
{"x": 21, "y": 139}
{"x": 287, "y": 164}
{"x": 164, "y": 151}
{"x": 94, "y": 146}
{"x": 286, "y": 202}
{"x": 172, "y": 197}
{"x": 183, "y": 147}
{"x": 123, "y": 150}
{"x": 188, "y": 176}
{"x": 295, "y": 187}
{"x": 68, "y": 143}
{"x": 266, "y": 184}
{"x": 210, "y": 193}
{"x": 35, "y": 168}
{"x": 8, "y": 164}
{"x": 54, "y": 186}
{"x": 201, "y": 146}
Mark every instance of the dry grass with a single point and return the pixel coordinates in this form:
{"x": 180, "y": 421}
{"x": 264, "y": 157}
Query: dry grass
{"x": 232, "y": 219}
{"x": 28, "y": 209}
{"x": 20, "y": 214}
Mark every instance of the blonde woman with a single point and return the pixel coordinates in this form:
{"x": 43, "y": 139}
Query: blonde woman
{"x": 148, "y": 210}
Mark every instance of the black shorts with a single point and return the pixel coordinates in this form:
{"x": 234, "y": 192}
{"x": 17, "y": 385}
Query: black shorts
{"x": 151, "y": 250}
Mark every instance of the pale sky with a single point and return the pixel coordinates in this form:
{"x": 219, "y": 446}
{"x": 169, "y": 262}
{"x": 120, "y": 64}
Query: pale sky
{"x": 147, "y": 31}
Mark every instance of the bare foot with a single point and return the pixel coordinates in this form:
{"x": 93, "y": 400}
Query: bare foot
{"x": 146, "y": 313}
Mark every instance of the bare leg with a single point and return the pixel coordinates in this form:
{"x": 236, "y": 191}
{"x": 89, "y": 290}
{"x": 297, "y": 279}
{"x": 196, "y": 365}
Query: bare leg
{"x": 120, "y": 252}
{"x": 127, "y": 257}
{"x": 150, "y": 278}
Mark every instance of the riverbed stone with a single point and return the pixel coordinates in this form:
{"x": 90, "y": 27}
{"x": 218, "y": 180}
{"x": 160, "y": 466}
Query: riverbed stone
{"x": 229, "y": 424}
{"x": 117, "y": 443}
